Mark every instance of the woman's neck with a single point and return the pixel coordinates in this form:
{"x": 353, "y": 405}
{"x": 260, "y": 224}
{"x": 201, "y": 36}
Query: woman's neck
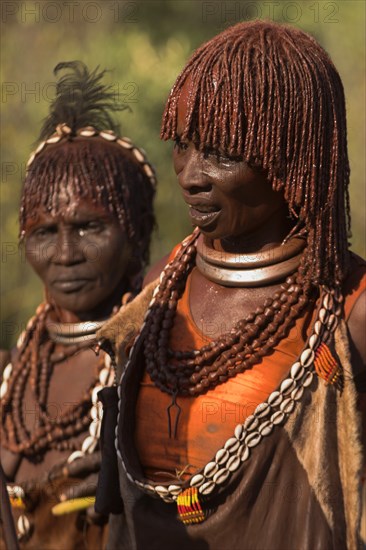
{"x": 100, "y": 312}
{"x": 270, "y": 235}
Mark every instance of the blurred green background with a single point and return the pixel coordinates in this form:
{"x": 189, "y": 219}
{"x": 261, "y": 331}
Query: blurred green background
{"x": 145, "y": 44}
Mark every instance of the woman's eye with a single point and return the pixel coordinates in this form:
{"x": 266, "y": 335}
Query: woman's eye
{"x": 90, "y": 227}
{"x": 180, "y": 145}
{"x": 220, "y": 157}
{"x": 44, "y": 232}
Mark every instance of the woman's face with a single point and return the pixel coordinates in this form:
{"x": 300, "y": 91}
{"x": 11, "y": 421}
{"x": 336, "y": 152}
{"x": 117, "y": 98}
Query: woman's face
{"x": 226, "y": 197}
{"x": 81, "y": 254}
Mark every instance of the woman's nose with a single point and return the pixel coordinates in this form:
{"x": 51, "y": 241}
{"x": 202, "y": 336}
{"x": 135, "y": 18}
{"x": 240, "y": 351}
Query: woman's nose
{"x": 68, "y": 249}
{"x": 191, "y": 176}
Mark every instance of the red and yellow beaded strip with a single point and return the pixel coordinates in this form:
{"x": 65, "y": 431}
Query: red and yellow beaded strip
{"x": 189, "y": 507}
{"x": 326, "y": 365}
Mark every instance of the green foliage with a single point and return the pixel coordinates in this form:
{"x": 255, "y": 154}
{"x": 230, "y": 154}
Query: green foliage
{"x": 145, "y": 45}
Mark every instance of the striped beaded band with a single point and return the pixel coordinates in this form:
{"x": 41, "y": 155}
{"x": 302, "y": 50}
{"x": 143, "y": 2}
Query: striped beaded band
{"x": 279, "y": 405}
{"x": 63, "y": 131}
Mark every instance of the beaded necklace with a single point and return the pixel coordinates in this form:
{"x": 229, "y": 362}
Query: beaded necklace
{"x": 36, "y": 359}
{"x": 316, "y": 357}
{"x": 193, "y": 372}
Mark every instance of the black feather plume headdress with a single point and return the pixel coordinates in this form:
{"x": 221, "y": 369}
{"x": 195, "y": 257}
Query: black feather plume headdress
{"x": 81, "y": 100}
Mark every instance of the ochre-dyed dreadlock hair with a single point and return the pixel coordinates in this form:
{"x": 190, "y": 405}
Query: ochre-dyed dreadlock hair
{"x": 112, "y": 173}
{"x": 270, "y": 95}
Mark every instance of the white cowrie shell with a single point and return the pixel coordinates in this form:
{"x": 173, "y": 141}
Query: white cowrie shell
{"x": 7, "y": 371}
{"x": 63, "y": 130}
{"x": 313, "y": 340}
{"x": 138, "y": 154}
{"x": 23, "y": 525}
{"x": 338, "y": 311}
{"x": 124, "y": 143}
{"x": 74, "y": 456}
{"x": 53, "y": 139}
{"x": 40, "y": 147}
{"x": 297, "y": 393}
{"x": 318, "y": 327}
{"x": 287, "y": 405}
{"x": 328, "y": 301}
{"x": 94, "y": 413}
{"x": 89, "y": 444}
{"x": 148, "y": 171}
{"x": 338, "y": 296}
{"x": 266, "y": 428}
{"x": 210, "y": 469}
{"x": 94, "y": 428}
{"x": 307, "y": 357}
{"x": 176, "y": 490}
{"x": 253, "y": 439}
{"x": 88, "y": 131}
{"x": 103, "y": 376}
{"x": 207, "y": 488}
{"x": 262, "y": 410}
{"x": 21, "y": 339}
{"x": 307, "y": 380}
{"x": 232, "y": 444}
{"x": 221, "y": 476}
{"x": 297, "y": 370}
{"x": 221, "y": 456}
{"x": 277, "y": 417}
{"x": 239, "y": 432}
{"x": 30, "y": 322}
{"x": 323, "y": 315}
{"x": 3, "y": 389}
{"x": 332, "y": 322}
{"x": 196, "y": 481}
{"x": 233, "y": 463}
{"x": 108, "y": 135}
{"x": 251, "y": 423}
{"x": 31, "y": 159}
{"x": 161, "y": 490}
{"x": 275, "y": 398}
{"x": 287, "y": 386}
{"x": 95, "y": 391}
{"x": 245, "y": 453}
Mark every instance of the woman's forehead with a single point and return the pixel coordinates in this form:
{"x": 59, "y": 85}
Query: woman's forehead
{"x": 187, "y": 94}
{"x": 70, "y": 209}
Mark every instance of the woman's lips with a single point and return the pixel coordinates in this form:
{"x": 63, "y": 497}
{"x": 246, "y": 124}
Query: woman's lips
{"x": 204, "y": 215}
{"x": 72, "y": 285}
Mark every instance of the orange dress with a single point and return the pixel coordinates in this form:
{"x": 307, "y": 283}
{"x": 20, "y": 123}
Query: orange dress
{"x": 207, "y": 421}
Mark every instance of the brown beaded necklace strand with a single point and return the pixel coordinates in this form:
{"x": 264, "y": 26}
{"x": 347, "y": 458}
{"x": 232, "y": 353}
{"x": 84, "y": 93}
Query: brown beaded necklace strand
{"x": 36, "y": 360}
{"x": 194, "y": 372}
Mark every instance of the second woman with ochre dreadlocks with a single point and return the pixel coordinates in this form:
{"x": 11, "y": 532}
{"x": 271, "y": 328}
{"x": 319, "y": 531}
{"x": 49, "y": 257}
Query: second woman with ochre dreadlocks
{"x": 86, "y": 218}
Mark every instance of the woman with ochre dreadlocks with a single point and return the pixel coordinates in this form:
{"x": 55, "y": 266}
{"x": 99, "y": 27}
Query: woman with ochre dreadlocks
{"x": 86, "y": 218}
{"x": 240, "y": 430}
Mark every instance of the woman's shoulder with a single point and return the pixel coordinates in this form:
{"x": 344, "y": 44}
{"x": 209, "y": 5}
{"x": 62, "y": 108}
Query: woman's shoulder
{"x": 354, "y": 285}
{"x": 354, "y": 291}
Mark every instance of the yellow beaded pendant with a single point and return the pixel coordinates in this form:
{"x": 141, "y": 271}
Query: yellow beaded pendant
{"x": 189, "y": 507}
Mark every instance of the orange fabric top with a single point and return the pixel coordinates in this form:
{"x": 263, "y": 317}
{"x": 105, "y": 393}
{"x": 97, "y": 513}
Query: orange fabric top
{"x": 207, "y": 421}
